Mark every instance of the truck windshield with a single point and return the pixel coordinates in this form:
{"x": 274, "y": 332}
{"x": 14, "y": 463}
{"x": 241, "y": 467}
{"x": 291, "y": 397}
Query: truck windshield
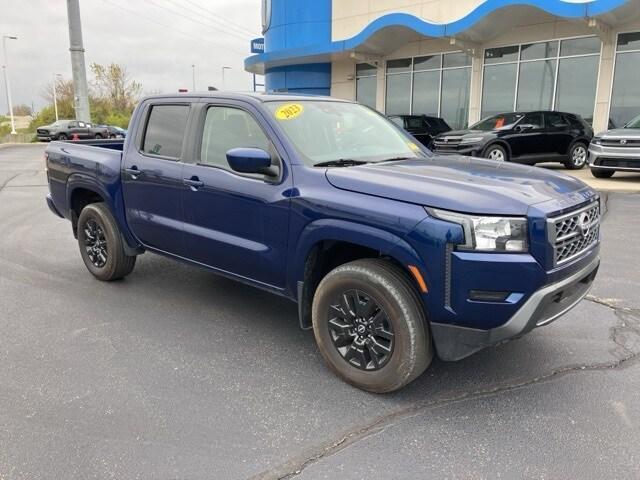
{"x": 635, "y": 123}
{"x": 325, "y": 131}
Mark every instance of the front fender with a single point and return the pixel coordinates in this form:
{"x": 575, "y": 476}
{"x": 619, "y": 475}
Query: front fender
{"x": 345, "y": 231}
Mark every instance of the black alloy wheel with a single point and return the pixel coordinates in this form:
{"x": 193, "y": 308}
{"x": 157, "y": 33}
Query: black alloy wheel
{"x": 95, "y": 243}
{"x": 360, "y": 330}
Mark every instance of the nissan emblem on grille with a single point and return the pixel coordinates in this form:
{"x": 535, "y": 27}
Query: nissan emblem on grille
{"x": 573, "y": 233}
{"x": 623, "y": 142}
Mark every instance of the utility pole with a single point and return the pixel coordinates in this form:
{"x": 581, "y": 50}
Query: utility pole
{"x": 55, "y": 99}
{"x": 223, "y": 69}
{"x": 76, "y": 47}
{"x": 193, "y": 77}
{"x": 5, "y": 67}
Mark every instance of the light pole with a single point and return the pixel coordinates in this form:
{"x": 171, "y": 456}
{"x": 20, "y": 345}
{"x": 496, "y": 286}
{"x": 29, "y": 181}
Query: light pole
{"x": 193, "y": 77}
{"x": 55, "y": 99}
{"x": 5, "y": 67}
{"x": 223, "y": 69}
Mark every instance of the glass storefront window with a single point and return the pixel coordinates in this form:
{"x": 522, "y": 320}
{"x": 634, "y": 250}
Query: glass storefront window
{"x": 576, "y": 90}
{"x": 366, "y": 84}
{"x": 432, "y": 62}
{"x": 536, "y": 51}
{"x": 499, "y": 89}
{"x": 426, "y": 88}
{"x": 628, "y": 41}
{"x": 452, "y": 60}
{"x": 435, "y": 85}
{"x": 535, "y": 90}
{"x": 501, "y": 55}
{"x": 580, "y": 46}
{"x": 625, "y": 96}
{"x": 455, "y": 96}
{"x": 525, "y": 77}
{"x": 398, "y": 99}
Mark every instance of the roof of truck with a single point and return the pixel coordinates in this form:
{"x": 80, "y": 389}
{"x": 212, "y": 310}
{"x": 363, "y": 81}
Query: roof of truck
{"x": 258, "y": 96}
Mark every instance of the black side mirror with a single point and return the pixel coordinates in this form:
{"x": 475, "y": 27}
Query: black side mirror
{"x": 251, "y": 160}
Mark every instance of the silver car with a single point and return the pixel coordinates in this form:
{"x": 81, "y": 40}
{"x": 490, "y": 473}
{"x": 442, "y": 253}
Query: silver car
{"x": 617, "y": 149}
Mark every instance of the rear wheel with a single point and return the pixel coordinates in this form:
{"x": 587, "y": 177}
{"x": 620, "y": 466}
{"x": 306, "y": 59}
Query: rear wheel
{"x": 496, "y": 152}
{"x": 62, "y": 137}
{"x": 101, "y": 244}
{"x": 577, "y": 156}
{"x": 370, "y": 325}
{"x": 98, "y": 136}
{"x": 599, "y": 173}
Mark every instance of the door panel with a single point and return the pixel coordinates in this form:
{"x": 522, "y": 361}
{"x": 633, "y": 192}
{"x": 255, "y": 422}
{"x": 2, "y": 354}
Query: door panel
{"x": 233, "y": 222}
{"x": 152, "y": 185}
{"x": 532, "y": 141}
{"x": 559, "y": 133}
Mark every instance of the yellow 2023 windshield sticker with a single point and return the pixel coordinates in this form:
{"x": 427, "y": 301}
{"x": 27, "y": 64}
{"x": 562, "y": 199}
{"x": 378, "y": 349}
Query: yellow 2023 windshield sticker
{"x": 413, "y": 146}
{"x": 289, "y": 111}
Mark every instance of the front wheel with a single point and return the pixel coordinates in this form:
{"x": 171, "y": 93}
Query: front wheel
{"x": 577, "y": 156}
{"x": 370, "y": 325}
{"x": 101, "y": 244}
{"x": 62, "y": 137}
{"x": 599, "y": 173}
{"x": 97, "y": 136}
{"x": 497, "y": 153}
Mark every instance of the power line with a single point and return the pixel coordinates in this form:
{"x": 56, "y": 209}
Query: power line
{"x": 220, "y": 18}
{"x": 240, "y": 36}
{"x": 171, "y": 28}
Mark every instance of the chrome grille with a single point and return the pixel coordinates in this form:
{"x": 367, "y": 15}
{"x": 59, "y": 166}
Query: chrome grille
{"x": 574, "y": 232}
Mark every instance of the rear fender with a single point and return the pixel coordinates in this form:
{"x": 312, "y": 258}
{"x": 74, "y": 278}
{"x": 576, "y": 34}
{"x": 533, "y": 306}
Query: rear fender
{"x": 114, "y": 201}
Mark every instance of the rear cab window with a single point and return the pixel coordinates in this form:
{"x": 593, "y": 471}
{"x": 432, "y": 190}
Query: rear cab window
{"x": 164, "y": 133}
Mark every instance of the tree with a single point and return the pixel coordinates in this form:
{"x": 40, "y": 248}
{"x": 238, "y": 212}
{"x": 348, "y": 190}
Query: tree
{"x": 22, "y": 110}
{"x": 112, "y": 84}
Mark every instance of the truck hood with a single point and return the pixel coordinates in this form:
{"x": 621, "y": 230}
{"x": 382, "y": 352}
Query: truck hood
{"x": 621, "y": 133}
{"x": 464, "y": 184}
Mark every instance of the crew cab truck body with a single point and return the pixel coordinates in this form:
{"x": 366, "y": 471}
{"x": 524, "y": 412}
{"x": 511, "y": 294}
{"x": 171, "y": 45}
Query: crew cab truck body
{"x": 392, "y": 253}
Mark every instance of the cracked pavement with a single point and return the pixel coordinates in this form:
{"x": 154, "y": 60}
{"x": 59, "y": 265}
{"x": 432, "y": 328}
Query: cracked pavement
{"x": 177, "y": 373}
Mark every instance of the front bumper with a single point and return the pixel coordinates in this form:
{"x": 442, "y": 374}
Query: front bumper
{"x": 545, "y": 305}
{"x": 52, "y": 206}
{"x": 473, "y": 150}
{"x": 614, "y": 158}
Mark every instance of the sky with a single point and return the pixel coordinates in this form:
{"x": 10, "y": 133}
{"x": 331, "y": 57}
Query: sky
{"x": 156, "y": 40}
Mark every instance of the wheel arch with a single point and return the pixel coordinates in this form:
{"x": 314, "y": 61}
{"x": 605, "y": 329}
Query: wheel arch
{"x": 326, "y": 244}
{"x": 82, "y": 191}
{"x": 498, "y": 141}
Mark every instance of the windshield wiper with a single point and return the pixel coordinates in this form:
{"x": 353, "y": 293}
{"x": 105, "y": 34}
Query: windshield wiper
{"x": 395, "y": 159}
{"x": 343, "y": 162}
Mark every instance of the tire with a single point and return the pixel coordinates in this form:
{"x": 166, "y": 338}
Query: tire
{"x": 112, "y": 136}
{"x": 97, "y": 136}
{"x": 496, "y": 152}
{"x": 396, "y": 309}
{"x": 578, "y": 154}
{"x": 599, "y": 173}
{"x": 112, "y": 263}
{"x": 62, "y": 137}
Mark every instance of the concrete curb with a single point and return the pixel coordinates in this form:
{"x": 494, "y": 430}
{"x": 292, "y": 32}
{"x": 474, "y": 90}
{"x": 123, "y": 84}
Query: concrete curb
{"x": 7, "y": 145}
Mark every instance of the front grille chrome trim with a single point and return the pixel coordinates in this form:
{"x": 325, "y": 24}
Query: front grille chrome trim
{"x": 567, "y": 235}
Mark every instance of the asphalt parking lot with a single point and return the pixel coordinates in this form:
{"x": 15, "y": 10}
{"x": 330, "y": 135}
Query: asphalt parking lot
{"x": 177, "y": 373}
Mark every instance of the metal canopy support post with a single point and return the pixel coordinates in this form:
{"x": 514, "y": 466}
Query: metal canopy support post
{"x": 76, "y": 47}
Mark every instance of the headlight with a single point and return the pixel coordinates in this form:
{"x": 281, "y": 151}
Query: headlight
{"x": 469, "y": 140}
{"x": 489, "y": 234}
{"x": 596, "y": 140}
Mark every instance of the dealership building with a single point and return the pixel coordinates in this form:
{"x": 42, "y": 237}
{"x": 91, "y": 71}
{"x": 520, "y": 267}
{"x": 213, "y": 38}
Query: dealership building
{"x": 461, "y": 60}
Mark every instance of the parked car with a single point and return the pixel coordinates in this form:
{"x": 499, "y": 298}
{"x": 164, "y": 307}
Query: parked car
{"x": 422, "y": 127}
{"x": 70, "y": 129}
{"x": 393, "y": 254}
{"x": 523, "y": 137}
{"x": 616, "y": 150}
{"x": 115, "y": 132}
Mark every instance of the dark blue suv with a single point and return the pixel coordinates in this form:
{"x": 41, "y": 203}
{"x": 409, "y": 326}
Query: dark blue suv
{"x": 393, "y": 254}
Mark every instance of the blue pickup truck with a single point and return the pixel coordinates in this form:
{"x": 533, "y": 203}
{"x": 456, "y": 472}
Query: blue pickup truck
{"x": 393, "y": 254}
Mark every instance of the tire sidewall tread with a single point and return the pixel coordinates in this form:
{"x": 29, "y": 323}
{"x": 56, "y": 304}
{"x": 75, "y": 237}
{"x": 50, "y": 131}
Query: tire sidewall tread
{"x": 413, "y": 350}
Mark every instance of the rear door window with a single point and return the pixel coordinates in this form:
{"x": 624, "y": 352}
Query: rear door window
{"x": 166, "y": 126}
